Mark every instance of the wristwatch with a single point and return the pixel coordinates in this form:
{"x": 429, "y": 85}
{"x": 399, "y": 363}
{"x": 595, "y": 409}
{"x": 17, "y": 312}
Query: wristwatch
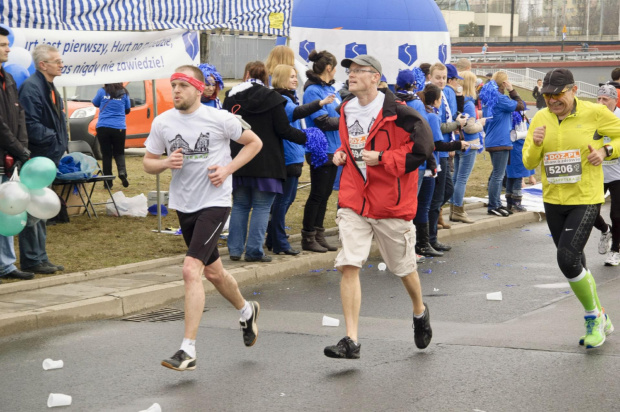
{"x": 380, "y": 156}
{"x": 609, "y": 150}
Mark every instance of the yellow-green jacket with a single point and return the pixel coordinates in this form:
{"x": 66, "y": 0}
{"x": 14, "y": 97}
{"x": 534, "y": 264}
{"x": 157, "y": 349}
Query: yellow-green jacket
{"x": 584, "y": 126}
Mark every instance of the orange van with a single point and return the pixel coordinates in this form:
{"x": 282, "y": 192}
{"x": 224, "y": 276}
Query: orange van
{"x": 83, "y": 115}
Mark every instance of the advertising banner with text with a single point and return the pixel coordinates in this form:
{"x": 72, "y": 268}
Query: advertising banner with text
{"x": 97, "y": 57}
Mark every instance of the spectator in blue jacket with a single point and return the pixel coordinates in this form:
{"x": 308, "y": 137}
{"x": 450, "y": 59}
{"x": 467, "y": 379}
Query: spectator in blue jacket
{"x": 113, "y": 103}
{"x": 47, "y": 137}
{"x": 432, "y": 98}
{"x": 284, "y": 81}
{"x": 464, "y": 161}
{"x": 497, "y": 140}
{"x": 319, "y": 86}
{"x": 451, "y": 122}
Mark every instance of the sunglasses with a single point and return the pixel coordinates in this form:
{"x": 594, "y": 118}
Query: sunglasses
{"x": 558, "y": 95}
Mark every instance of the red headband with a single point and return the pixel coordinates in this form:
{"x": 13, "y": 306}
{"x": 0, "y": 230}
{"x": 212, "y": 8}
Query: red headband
{"x": 184, "y": 77}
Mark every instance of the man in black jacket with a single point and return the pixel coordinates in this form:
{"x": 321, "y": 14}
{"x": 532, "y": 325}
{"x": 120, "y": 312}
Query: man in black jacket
{"x": 13, "y": 143}
{"x": 47, "y": 137}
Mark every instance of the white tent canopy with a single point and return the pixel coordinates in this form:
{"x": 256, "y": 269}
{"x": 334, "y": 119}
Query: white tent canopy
{"x": 260, "y": 16}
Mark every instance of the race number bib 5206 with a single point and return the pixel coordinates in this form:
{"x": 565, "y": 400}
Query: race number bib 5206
{"x": 563, "y": 167}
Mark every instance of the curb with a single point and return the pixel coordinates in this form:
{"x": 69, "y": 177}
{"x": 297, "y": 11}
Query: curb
{"x": 75, "y": 277}
{"x": 124, "y": 303}
{"x": 119, "y": 304}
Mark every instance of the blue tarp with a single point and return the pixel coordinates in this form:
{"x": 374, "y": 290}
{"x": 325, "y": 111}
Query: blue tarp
{"x": 267, "y": 17}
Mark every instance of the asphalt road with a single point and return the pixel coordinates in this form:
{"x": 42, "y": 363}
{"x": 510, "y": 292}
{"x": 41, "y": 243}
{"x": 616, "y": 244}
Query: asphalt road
{"x": 517, "y": 354}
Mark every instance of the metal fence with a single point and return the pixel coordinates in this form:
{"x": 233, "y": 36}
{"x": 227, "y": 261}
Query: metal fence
{"x": 231, "y": 53}
{"x": 522, "y": 56}
{"x": 526, "y": 78}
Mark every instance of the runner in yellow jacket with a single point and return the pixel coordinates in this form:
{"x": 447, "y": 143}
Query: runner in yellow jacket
{"x": 567, "y": 138}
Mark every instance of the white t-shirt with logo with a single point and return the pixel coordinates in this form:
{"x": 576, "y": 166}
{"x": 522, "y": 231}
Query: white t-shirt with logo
{"x": 359, "y": 122}
{"x": 611, "y": 168}
{"x": 205, "y": 136}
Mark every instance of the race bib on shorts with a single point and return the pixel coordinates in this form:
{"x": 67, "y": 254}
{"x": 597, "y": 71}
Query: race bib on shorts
{"x": 563, "y": 167}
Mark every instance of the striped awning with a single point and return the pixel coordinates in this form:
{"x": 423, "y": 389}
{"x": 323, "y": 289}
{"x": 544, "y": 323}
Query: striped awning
{"x": 259, "y": 16}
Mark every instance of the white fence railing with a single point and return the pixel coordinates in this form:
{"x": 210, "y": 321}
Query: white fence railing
{"x": 528, "y": 56}
{"x": 527, "y": 78}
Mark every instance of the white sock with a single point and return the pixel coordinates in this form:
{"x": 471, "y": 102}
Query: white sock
{"x": 593, "y": 312}
{"x": 189, "y": 346}
{"x": 421, "y": 315}
{"x": 246, "y": 311}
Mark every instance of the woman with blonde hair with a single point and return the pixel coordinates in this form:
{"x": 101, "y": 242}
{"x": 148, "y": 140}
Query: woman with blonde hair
{"x": 284, "y": 81}
{"x": 279, "y": 55}
{"x": 464, "y": 161}
{"x": 256, "y": 184}
{"x": 499, "y": 107}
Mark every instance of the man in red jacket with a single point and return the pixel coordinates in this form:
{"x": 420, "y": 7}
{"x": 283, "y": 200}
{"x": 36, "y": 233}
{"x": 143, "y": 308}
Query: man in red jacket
{"x": 382, "y": 141}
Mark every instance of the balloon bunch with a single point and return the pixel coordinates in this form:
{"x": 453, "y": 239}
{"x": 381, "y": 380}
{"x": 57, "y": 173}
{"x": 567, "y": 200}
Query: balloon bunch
{"x": 20, "y": 63}
{"x": 28, "y": 194}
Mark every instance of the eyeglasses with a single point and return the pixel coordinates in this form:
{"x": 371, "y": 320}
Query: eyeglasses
{"x": 556, "y": 96}
{"x": 58, "y": 62}
{"x": 358, "y": 71}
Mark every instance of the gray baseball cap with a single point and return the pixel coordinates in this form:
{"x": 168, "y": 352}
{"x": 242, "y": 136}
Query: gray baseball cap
{"x": 363, "y": 60}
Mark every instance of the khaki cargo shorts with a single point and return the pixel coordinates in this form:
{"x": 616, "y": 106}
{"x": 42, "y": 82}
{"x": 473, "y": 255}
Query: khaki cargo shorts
{"x": 395, "y": 237}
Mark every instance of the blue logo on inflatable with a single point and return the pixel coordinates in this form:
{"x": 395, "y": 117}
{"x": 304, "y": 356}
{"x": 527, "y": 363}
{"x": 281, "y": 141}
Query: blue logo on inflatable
{"x": 408, "y": 53}
{"x": 443, "y": 53}
{"x": 190, "y": 39}
{"x": 354, "y": 50}
{"x": 305, "y": 47}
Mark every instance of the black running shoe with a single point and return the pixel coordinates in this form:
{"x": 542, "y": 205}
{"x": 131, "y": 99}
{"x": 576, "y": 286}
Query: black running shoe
{"x": 422, "y": 332}
{"x": 345, "y": 349}
{"x": 249, "y": 327}
{"x": 180, "y": 361}
{"x": 505, "y": 209}
{"x": 498, "y": 212}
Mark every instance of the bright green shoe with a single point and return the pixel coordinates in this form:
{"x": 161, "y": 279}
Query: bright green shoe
{"x": 595, "y": 331}
{"x": 609, "y": 328}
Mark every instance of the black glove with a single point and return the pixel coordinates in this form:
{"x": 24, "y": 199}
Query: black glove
{"x": 23, "y": 158}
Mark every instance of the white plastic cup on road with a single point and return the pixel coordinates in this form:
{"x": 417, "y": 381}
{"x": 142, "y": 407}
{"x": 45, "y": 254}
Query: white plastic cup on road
{"x": 52, "y": 364}
{"x": 327, "y": 321}
{"x": 381, "y": 266}
{"x": 494, "y": 296}
{"x": 154, "y": 408}
{"x": 58, "y": 399}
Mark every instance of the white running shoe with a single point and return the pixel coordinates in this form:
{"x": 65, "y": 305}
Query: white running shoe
{"x": 604, "y": 243}
{"x": 613, "y": 258}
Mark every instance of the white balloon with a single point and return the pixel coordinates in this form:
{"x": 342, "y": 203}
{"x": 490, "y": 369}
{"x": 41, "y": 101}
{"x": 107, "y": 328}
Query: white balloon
{"x": 19, "y": 56}
{"x": 14, "y": 197}
{"x": 19, "y": 39}
{"x": 44, "y": 203}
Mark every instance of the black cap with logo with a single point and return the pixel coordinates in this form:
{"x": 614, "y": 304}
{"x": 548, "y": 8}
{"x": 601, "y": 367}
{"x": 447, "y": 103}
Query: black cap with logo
{"x": 556, "y": 80}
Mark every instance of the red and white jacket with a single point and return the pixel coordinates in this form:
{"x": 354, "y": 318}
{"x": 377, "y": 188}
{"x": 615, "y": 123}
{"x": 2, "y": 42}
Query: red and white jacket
{"x": 390, "y": 190}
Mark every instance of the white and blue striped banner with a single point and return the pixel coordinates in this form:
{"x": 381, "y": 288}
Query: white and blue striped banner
{"x": 259, "y": 16}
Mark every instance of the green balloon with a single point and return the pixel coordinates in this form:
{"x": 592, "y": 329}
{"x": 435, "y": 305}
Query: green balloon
{"x": 10, "y": 225}
{"x": 37, "y": 173}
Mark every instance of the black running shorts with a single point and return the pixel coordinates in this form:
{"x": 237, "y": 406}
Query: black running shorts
{"x": 201, "y": 231}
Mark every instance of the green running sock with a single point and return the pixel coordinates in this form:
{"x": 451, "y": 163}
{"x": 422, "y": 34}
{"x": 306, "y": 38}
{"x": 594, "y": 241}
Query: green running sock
{"x": 584, "y": 288}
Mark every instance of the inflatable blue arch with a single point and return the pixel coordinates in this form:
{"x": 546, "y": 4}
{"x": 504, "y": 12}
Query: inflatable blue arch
{"x": 400, "y": 33}
{"x": 395, "y": 15}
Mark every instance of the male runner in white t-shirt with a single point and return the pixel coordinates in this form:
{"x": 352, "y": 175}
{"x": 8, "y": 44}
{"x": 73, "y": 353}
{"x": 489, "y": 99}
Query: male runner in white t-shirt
{"x": 197, "y": 139}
